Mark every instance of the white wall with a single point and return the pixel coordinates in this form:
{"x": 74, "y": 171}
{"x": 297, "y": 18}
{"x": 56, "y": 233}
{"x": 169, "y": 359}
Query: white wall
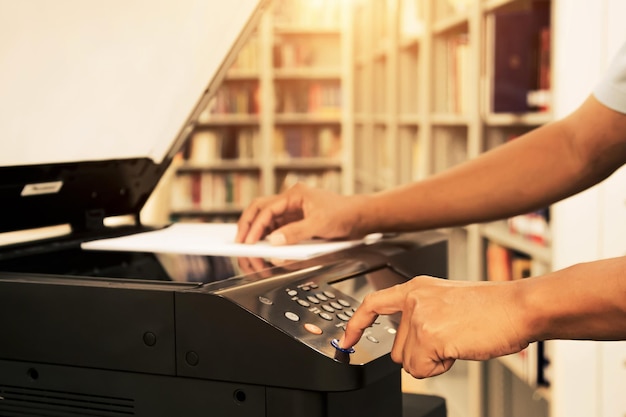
{"x": 592, "y": 225}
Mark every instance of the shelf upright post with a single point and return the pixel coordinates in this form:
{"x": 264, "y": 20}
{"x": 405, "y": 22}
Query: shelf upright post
{"x": 266, "y": 116}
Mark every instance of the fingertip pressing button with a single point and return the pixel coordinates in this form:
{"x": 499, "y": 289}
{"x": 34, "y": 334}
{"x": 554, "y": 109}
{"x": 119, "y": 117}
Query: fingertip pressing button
{"x": 335, "y": 344}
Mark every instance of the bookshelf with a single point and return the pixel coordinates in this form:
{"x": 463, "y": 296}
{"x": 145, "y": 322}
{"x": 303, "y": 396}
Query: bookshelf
{"x": 405, "y": 115}
{"x": 437, "y": 83}
{"x": 283, "y": 114}
{"x": 428, "y": 97}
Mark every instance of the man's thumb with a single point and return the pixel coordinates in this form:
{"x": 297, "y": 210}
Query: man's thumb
{"x": 291, "y": 233}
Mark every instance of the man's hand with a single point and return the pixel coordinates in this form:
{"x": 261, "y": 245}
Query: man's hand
{"x": 443, "y": 321}
{"x": 298, "y": 214}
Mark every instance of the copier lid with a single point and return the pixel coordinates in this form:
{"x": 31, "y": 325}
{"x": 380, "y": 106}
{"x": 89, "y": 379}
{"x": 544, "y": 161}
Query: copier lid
{"x": 84, "y": 83}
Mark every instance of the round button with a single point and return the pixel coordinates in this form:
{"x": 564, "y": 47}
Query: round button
{"x": 192, "y": 358}
{"x": 292, "y": 293}
{"x": 312, "y": 299}
{"x": 371, "y": 338}
{"x": 343, "y": 303}
{"x": 292, "y": 316}
{"x": 328, "y": 308}
{"x": 149, "y": 339}
{"x": 335, "y": 305}
{"x": 303, "y": 303}
{"x": 335, "y": 344}
{"x": 343, "y": 317}
{"x": 329, "y": 294}
{"x": 322, "y": 297}
{"x": 266, "y": 300}
{"x": 312, "y": 328}
{"x": 326, "y": 316}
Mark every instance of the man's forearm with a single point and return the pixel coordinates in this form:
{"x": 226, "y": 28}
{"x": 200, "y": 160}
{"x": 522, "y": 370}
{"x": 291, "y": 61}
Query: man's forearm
{"x": 537, "y": 169}
{"x": 528, "y": 173}
{"x": 586, "y": 301}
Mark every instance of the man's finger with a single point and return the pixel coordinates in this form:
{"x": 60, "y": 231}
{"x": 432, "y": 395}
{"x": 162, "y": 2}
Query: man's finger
{"x": 264, "y": 219}
{"x": 387, "y": 301}
{"x": 243, "y": 224}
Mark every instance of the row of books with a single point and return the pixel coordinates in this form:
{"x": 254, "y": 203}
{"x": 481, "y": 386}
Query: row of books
{"x": 534, "y": 226}
{"x": 235, "y": 98}
{"x": 505, "y": 264}
{"x": 308, "y": 52}
{"x": 328, "y": 180}
{"x": 458, "y": 58}
{"x": 307, "y": 142}
{"x": 312, "y": 97}
{"x": 308, "y": 13}
{"x": 209, "y": 146}
{"x": 292, "y": 54}
{"x": 248, "y": 57}
{"x": 210, "y": 191}
{"x": 218, "y": 191}
{"x": 447, "y": 8}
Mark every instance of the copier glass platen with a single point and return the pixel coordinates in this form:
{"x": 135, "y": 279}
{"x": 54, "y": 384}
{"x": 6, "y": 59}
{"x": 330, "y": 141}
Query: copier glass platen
{"x": 97, "y": 99}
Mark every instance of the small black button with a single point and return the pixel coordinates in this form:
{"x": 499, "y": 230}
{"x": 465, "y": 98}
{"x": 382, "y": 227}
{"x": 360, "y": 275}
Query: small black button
{"x": 149, "y": 339}
{"x": 192, "y": 358}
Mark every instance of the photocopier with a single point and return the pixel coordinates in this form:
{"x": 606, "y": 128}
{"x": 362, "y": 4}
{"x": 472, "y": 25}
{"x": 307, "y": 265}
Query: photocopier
{"x": 96, "y": 99}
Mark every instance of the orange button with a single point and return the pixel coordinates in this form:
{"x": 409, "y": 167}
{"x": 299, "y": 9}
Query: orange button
{"x": 311, "y": 328}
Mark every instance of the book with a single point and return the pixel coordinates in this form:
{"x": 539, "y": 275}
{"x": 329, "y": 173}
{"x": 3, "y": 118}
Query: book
{"x": 521, "y": 42}
{"x": 504, "y": 264}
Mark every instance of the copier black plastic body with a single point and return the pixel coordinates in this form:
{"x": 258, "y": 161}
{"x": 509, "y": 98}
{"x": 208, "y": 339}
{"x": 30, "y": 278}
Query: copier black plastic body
{"x": 113, "y": 334}
{"x": 100, "y": 98}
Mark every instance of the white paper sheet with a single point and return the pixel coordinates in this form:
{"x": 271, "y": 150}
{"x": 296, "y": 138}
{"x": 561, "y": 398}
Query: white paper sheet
{"x": 216, "y": 239}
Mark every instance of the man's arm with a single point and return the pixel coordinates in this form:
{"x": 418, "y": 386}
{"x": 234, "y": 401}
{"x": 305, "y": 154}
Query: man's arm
{"x": 533, "y": 171}
{"x": 543, "y": 166}
{"x": 443, "y": 320}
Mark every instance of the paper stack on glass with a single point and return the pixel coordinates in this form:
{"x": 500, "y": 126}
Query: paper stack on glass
{"x": 216, "y": 239}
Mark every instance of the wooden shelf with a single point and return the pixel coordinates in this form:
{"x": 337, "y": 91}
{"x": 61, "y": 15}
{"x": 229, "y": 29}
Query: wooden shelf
{"x": 451, "y": 23}
{"x": 449, "y": 119}
{"x": 229, "y": 120}
{"x": 308, "y": 164}
{"x": 239, "y": 74}
{"x": 222, "y": 165}
{"x": 295, "y": 30}
{"x": 306, "y": 119}
{"x": 499, "y": 233}
{"x": 512, "y": 119}
{"x": 310, "y": 73}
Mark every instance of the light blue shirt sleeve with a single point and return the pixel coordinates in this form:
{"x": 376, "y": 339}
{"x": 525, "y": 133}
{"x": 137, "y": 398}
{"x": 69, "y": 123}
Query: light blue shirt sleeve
{"x": 611, "y": 90}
